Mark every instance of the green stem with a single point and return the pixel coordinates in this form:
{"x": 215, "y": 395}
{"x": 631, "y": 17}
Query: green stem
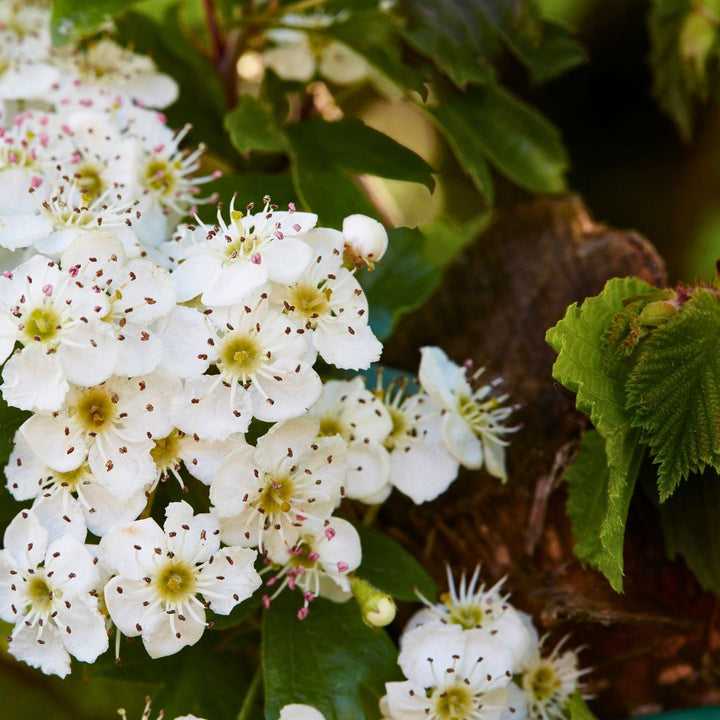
{"x": 249, "y": 700}
{"x": 370, "y": 515}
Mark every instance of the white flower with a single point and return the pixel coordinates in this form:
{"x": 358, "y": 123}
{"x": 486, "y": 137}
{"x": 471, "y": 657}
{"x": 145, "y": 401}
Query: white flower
{"x": 471, "y": 606}
{"x": 160, "y": 575}
{"x": 259, "y": 350}
{"x": 365, "y": 239}
{"x": 420, "y": 465}
{"x": 290, "y": 481}
{"x": 67, "y": 502}
{"x": 57, "y": 320}
{"x": 112, "y": 425}
{"x": 547, "y": 682}
{"x": 45, "y": 590}
{"x": 451, "y": 674}
{"x": 238, "y": 257}
{"x": 296, "y": 711}
{"x": 328, "y": 302}
{"x": 351, "y": 411}
{"x": 318, "y": 564}
{"x": 472, "y": 427}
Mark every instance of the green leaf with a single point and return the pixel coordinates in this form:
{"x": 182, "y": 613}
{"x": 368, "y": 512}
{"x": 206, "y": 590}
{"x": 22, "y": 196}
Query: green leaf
{"x": 463, "y": 36}
{"x": 674, "y": 392}
{"x": 326, "y": 156}
{"x": 689, "y": 522}
{"x": 252, "y": 127}
{"x": 208, "y": 679}
{"x": 74, "y": 19}
{"x": 389, "y": 299}
{"x": 522, "y": 144}
{"x": 390, "y": 568}
{"x": 679, "y": 76}
{"x": 703, "y": 713}
{"x": 578, "y": 708}
{"x": 587, "y": 367}
{"x": 331, "y": 660}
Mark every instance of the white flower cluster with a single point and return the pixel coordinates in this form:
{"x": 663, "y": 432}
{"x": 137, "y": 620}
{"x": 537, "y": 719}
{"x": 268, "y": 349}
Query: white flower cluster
{"x": 473, "y": 655}
{"x": 82, "y": 144}
{"x": 141, "y": 352}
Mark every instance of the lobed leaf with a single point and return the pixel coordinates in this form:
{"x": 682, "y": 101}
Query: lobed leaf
{"x": 587, "y": 367}
{"x": 674, "y": 392}
{"x": 331, "y": 660}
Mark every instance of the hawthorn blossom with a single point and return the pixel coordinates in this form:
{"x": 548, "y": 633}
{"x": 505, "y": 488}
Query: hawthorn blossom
{"x": 161, "y": 573}
{"x": 45, "y": 590}
{"x": 548, "y": 681}
{"x": 57, "y": 321}
{"x": 237, "y": 257}
{"x": 297, "y": 711}
{"x": 112, "y": 426}
{"x": 470, "y": 605}
{"x": 472, "y": 425}
{"x": 348, "y": 409}
{"x": 318, "y": 564}
{"x": 287, "y": 485}
{"x": 329, "y": 303}
{"x": 70, "y": 502}
{"x": 451, "y": 674}
{"x": 420, "y": 465}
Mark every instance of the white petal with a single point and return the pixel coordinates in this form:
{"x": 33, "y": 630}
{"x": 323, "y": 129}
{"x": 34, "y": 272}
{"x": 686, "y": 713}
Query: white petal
{"x": 161, "y": 641}
{"x": 440, "y": 377}
{"x": 17, "y": 231}
{"x": 193, "y": 538}
{"x": 422, "y": 469}
{"x": 234, "y": 283}
{"x": 275, "y": 400}
{"x": 25, "y": 471}
{"x": 72, "y": 566}
{"x": 59, "y": 443}
{"x": 239, "y": 579}
{"x": 26, "y": 540}
{"x": 126, "y": 602}
{"x": 461, "y": 441}
{"x": 300, "y": 712}
{"x": 355, "y": 350}
{"x": 368, "y": 470}
{"x": 44, "y": 650}
{"x": 129, "y": 550}
{"x": 34, "y": 379}
{"x": 60, "y": 513}
{"x": 193, "y": 275}
{"x": 93, "y": 359}
{"x": 203, "y": 458}
{"x": 286, "y": 259}
{"x": 185, "y": 336}
{"x": 85, "y": 634}
{"x": 340, "y": 551}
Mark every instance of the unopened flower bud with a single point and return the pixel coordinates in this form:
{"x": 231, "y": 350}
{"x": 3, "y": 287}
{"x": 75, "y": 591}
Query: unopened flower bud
{"x": 656, "y": 313}
{"x": 366, "y": 241}
{"x": 378, "y": 608}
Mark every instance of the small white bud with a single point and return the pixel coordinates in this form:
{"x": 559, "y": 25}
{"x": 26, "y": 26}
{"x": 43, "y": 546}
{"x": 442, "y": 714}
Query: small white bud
{"x": 366, "y": 240}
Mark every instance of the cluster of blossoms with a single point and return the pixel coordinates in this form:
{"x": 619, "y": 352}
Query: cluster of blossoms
{"x": 473, "y": 656}
{"x": 143, "y": 349}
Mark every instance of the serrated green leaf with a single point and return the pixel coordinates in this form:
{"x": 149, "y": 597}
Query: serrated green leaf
{"x": 598, "y": 500}
{"x": 491, "y": 123}
{"x": 674, "y": 392}
{"x": 389, "y": 299}
{"x": 689, "y": 522}
{"x": 578, "y": 709}
{"x": 326, "y": 155}
{"x": 331, "y": 660}
{"x": 391, "y": 568}
{"x": 586, "y": 367}
{"x": 74, "y": 19}
{"x": 252, "y": 127}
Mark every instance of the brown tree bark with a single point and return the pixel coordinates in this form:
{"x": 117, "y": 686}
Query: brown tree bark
{"x": 652, "y": 648}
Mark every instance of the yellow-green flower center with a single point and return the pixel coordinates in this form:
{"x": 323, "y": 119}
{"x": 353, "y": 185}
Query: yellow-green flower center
{"x": 400, "y": 427}
{"x": 72, "y": 478}
{"x": 542, "y": 682}
{"x": 277, "y": 495}
{"x": 42, "y": 324}
{"x": 329, "y": 426}
{"x": 455, "y": 703}
{"x": 95, "y": 409}
{"x": 468, "y": 616}
{"x": 166, "y": 450}
{"x": 89, "y": 181}
{"x": 40, "y": 594}
{"x": 240, "y": 355}
{"x": 160, "y": 176}
{"x": 176, "y": 582}
{"x": 309, "y": 301}
{"x": 475, "y": 413}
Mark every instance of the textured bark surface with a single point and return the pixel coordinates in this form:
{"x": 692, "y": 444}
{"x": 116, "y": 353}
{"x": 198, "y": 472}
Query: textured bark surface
{"x": 653, "y": 647}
